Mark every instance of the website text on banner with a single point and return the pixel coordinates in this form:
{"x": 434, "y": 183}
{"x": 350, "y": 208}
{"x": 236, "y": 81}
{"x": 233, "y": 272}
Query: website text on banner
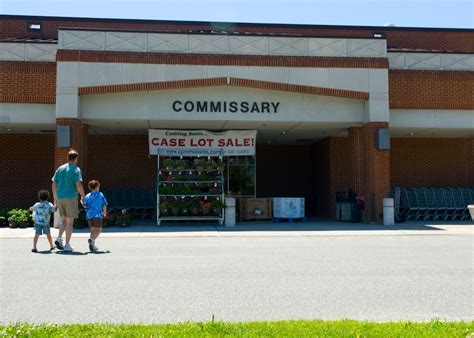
{"x": 202, "y": 142}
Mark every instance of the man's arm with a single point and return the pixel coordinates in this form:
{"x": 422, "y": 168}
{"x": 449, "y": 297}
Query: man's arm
{"x": 80, "y": 190}
{"x": 55, "y": 196}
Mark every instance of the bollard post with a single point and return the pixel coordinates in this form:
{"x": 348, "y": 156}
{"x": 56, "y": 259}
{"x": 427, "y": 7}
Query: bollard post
{"x": 388, "y": 211}
{"x": 471, "y": 210}
{"x": 229, "y": 220}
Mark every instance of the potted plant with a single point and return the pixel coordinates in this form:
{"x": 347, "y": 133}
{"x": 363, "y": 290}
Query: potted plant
{"x": 12, "y": 217}
{"x": 168, "y": 164}
{"x": 217, "y": 207}
{"x": 214, "y": 190}
{"x": 185, "y": 208}
{"x": 181, "y": 165}
{"x": 205, "y": 207}
{"x": 3, "y": 217}
{"x": 110, "y": 219}
{"x": 190, "y": 176}
{"x": 125, "y": 218}
{"x": 174, "y": 208}
{"x": 195, "y": 206}
{"x": 220, "y": 166}
{"x": 165, "y": 208}
{"x": 210, "y": 165}
{"x": 199, "y": 163}
{"x": 19, "y": 218}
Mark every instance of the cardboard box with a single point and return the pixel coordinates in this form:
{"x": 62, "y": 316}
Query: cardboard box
{"x": 288, "y": 207}
{"x": 255, "y": 209}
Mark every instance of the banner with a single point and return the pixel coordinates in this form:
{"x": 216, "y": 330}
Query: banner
{"x": 202, "y": 142}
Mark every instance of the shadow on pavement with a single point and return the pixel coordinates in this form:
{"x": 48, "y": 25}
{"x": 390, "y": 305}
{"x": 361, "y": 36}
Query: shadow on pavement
{"x": 44, "y": 252}
{"x": 79, "y": 253}
{"x": 71, "y": 253}
{"x": 99, "y": 252}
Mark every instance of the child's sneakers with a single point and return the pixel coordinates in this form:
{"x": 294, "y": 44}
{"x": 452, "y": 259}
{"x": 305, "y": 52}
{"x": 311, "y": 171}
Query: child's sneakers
{"x": 92, "y": 246}
{"x": 68, "y": 248}
{"x": 59, "y": 243}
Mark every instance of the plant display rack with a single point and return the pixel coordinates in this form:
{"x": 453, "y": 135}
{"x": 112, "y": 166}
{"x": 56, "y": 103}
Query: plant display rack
{"x": 190, "y": 188}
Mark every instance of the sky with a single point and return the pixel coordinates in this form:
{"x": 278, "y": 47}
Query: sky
{"x": 402, "y": 13}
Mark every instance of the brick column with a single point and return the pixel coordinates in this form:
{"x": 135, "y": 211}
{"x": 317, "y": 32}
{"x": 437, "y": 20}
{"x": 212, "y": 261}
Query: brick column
{"x": 79, "y": 142}
{"x": 377, "y": 172}
{"x": 369, "y": 168}
{"x": 356, "y": 159}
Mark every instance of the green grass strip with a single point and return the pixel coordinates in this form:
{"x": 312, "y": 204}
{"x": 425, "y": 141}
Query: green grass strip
{"x": 292, "y": 328}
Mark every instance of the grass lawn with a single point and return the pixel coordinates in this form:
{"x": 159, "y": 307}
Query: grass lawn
{"x": 293, "y": 328}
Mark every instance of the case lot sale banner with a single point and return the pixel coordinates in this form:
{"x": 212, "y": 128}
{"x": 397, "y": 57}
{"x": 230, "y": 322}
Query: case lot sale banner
{"x": 202, "y": 142}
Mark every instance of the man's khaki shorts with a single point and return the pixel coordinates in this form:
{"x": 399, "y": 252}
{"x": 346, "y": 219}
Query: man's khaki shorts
{"x": 68, "y": 207}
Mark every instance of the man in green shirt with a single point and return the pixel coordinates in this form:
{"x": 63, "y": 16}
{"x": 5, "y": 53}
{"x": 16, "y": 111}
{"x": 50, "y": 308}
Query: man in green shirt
{"x": 67, "y": 183}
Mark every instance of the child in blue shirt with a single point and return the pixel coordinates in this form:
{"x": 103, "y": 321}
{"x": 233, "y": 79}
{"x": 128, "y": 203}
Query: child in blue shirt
{"x": 42, "y": 211}
{"x": 96, "y": 208}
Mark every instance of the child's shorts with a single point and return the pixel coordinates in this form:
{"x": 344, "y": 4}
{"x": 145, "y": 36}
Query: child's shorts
{"x": 95, "y": 222}
{"x": 42, "y": 229}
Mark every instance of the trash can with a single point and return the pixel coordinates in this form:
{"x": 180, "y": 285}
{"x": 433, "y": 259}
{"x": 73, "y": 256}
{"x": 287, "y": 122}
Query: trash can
{"x": 344, "y": 211}
{"x": 346, "y": 208}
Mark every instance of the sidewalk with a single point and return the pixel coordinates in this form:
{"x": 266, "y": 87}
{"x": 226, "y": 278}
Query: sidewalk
{"x": 148, "y": 228}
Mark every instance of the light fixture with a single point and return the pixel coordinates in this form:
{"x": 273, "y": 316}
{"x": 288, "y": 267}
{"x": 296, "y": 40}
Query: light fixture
{"x": 283, "y": 132}
{"x": 379, "y": 35}
{"x": 412, "y": 134}
{"x": 34, "y": 26}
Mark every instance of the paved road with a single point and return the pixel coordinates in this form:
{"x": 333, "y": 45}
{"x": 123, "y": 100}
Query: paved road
{"x": 171, "y": 279}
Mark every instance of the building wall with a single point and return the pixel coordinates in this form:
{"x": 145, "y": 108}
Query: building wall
{"x": 121, "y": 161}
{"x": 444, "y": 40}
{"x": 418, "y": 89}
{"x": 27, "y": 82}
{"x": 26, "y": 166}
{"x": 429, "y": 162}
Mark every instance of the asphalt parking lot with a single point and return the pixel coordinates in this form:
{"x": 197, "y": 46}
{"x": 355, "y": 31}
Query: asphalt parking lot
{"x": 239, "y": 278}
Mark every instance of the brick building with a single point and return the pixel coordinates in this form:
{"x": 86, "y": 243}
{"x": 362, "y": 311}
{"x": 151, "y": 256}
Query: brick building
{"x": 112, "y": 80}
